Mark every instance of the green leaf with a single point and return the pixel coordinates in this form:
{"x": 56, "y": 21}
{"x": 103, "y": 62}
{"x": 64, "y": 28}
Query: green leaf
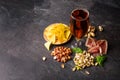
{"x": 100, "y": 60}
{"x": 77, "y": 50}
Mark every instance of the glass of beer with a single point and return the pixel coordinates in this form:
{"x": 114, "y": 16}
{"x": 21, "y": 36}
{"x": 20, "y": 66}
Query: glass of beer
{"x": 79, "y": 23}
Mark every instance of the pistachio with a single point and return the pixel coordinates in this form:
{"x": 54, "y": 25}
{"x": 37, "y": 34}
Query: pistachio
{"x": 96, "y": 64}
{"x": 83, "y": 60}
{"x": 44, "y": 58}
{"x": 73, "y": 69}
{"x": 88, "y": 35}
{"x": 92, "y": 34}
{"x": 92, "y": 29}
{"x": 62, "y": 66}
{"x": 89, "y": 28}
{"x": 54, "y": 57}
{"x": 100, "y": 28}
{"x": 87, "y": 72}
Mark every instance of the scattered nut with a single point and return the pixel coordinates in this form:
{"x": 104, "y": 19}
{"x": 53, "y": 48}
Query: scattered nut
{"x": 96, "y": 64}
{"x": 87, "y": 72}
{"x": 44, "y": 58}
{"x": 100, "y": 28}
{"x": 73, "y": 69}
{"x": 88, "y": 35}
{"x": 55, "y": 57}
{"x": 92, "y": 29}
{"x": 92, "y": 34}
{"x": 62, "y": 66}
{"x": 84, "y": 52}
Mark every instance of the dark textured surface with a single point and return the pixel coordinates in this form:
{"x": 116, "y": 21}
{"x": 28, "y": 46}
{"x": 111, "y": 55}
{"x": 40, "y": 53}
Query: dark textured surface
{"x": 22, "y": 44}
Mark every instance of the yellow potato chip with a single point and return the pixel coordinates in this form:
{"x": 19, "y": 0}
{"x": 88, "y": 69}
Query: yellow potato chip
{"x": 52, "y": 38}
{"x": 47, "y": 45}
{"x": 67, "y": 34}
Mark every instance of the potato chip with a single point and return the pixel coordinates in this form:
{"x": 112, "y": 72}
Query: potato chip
{"x": 52, "y": 38}
{"x": 47, "y": 45}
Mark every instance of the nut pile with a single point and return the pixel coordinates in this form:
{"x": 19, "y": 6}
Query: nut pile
{"x": 61, "y": 54}
{"x": 83, "y": 60}
{"x": 91, "y": 32}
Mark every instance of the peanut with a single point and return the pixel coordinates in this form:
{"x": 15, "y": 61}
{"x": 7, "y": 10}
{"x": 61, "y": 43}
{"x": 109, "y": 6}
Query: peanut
{"x": 61, "y": 54}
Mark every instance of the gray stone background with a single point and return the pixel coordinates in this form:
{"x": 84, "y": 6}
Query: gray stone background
{"x": 22, "y": 44}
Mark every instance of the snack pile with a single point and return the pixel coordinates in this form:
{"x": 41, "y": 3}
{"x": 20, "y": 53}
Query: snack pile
{"x": 83, "y": 60}
{"x": 61, "y": 54}
{"x": 94, "y": 55}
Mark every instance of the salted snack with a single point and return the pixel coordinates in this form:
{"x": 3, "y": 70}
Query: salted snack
{"x": 100, "y": 28}
{"x": 57, "y": 33}
{"x": 62, "y": 65}
{"x": 44, "y": 58}
{"x": 47, "y": 45}
{"x": 61, "y": 54}
{"x": 91, "y": 32}
{"x": 83, "y": 60}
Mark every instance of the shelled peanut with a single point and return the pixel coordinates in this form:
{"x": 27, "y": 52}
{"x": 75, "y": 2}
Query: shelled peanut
{"x": 61, "y": 54}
